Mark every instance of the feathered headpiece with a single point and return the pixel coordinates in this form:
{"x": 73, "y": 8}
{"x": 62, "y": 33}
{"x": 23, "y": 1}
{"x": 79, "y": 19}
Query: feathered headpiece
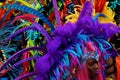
{"x": 66, "y": 48}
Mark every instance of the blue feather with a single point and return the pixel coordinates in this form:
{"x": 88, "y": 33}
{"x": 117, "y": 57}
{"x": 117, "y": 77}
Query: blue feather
{"x": 82, "y": 37}
{"x": 78, "y": 50}
{"x": 72, "y": 52}
{"x": 34, "y": 12}
{"x": 95, "y": 18}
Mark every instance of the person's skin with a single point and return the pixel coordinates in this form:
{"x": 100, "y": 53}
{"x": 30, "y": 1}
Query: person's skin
{"x": 110, "y": 69}
{"x": 92, "y": 66}
{"x": 118, "y": 21}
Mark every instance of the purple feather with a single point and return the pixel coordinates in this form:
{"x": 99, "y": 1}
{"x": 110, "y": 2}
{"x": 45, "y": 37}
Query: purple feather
{"x": 57, "y": 16}
{"x": 87, "y": 25}
{"x": 43, "y": 66}
{"x": 26, "y": 76}
{"x": 53, "y": 46}
{"x": 86, "y": 11}
{"x": 18, "y": 32}
{"x": 45, "y": 63}
{"x": 37, "y": 27}
{"x": 108, "y": 30}
{"x": 66, "y": 30}
{"x": 43, "y": 31}
{"x": 18, "y": 54}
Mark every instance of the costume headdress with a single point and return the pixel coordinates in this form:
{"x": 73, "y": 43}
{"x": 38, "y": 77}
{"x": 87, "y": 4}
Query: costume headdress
{"x": 66, "y": 48}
